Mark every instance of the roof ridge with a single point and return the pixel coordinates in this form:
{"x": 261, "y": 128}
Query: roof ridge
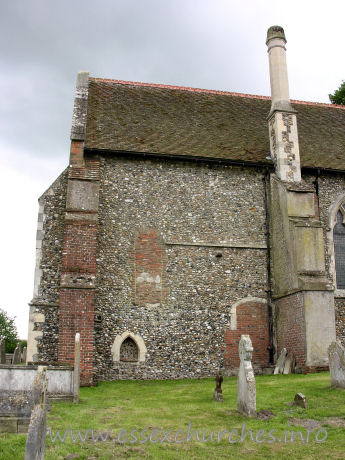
{"x": 210, "y": 91}
{"x": 183, "y": 88}
{"x": 320, "y": 104}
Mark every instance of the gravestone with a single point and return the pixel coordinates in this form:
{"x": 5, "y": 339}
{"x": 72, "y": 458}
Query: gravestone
{"x": 300, "y": 400}
{"x": 36, "y": 438}
{"x": 218, "y": 393}
{"x": 336, "y": 357}
{"x": 246, "y": 391}
{"x": 290, "y": 363}
{"x": 2, "y": 351}
{"x": 24, "y": 355}
{"x": 76, "y": 372}
{"x": 16, "y": 355}
{"x": 280, "y": 362}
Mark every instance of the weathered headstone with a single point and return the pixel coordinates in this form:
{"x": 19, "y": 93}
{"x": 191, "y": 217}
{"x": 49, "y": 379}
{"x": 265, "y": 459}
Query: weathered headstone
{"x": 24, "y": 355}
{"x": 76, "y": 372}
{"x": 290, "y": 363}
{"x": 280, "y": 362}
{"x": 336, "y": 357}
{"x": 36, "y": 438}
{"x": 2, "y": 351}
{"x": 300, "y": 400}
{"x": 16, "y": 355}
{"x": 218, "y": 393}
{"x": 246, "y": 391}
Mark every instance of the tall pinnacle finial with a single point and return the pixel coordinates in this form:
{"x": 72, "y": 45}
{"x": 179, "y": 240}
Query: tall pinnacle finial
{"x": 282, "y": 118}
{"x": 278, "y": 70}
{"x": 275, "y": 32}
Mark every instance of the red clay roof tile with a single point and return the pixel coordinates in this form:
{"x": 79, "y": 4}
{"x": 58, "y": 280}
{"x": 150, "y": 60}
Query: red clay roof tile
{"x": 166, "y": 119}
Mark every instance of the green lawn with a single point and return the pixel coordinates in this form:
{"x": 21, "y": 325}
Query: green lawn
{"x": 172, "y": 405}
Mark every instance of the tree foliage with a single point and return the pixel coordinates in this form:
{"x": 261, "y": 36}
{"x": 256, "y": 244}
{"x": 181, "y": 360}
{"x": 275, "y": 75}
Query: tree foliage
{"x": 338, "y": 97}
{"x": 8, "y": 331}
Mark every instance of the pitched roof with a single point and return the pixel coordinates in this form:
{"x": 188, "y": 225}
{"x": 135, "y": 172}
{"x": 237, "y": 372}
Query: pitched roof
{"x": 162, "y": 119}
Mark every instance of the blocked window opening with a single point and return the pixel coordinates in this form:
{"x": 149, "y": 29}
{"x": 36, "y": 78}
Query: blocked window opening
{"x": 339, "y": 249}
{"x": 149, "y": 282}
{"x": 248, "y": 316}
{"x": 129, "y": 351}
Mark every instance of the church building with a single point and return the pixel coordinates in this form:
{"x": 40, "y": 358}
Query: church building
{"x": 185, "y": 218}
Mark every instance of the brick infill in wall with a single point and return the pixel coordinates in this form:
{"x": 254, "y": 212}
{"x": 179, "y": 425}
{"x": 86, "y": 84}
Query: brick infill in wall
{"x": 76, "y": 314}
{"x": 290, "y": 327}
{"x": 149, "y": 269}
{"x": 77, "y": 294}
{"x": 82, "y": 167}
{"x": 77, "y": 154}
{"x": 251, "y": 319}
{"x": 79, "y": 247}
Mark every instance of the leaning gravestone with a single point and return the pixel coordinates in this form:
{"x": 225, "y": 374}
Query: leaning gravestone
{"x": 246, "y": 391}
{"x": 218, "y": 393}
{"x": 2, "y": 351}
{"x": 290, "y": 363}
{"x": 280, "y": 363}
{"x": 336, "y": 357}
{"x": 16, "y": 355}
{"x": 36, "y": 438}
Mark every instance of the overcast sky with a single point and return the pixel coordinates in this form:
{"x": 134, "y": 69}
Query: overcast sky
{"x": 214, "y": 44}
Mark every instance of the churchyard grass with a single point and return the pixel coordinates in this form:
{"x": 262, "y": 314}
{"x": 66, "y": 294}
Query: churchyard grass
{"x": 174, "y": 404}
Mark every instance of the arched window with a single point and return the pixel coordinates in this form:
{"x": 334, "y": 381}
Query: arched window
{"x": 339, "y": 247}
{"x": 129, "y": 350}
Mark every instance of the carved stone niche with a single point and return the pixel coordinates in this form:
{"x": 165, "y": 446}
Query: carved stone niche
{"x": 128, "y": 347}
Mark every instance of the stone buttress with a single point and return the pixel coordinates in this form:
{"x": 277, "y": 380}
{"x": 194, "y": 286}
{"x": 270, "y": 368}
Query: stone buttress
{"x": 304, "y": 301}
